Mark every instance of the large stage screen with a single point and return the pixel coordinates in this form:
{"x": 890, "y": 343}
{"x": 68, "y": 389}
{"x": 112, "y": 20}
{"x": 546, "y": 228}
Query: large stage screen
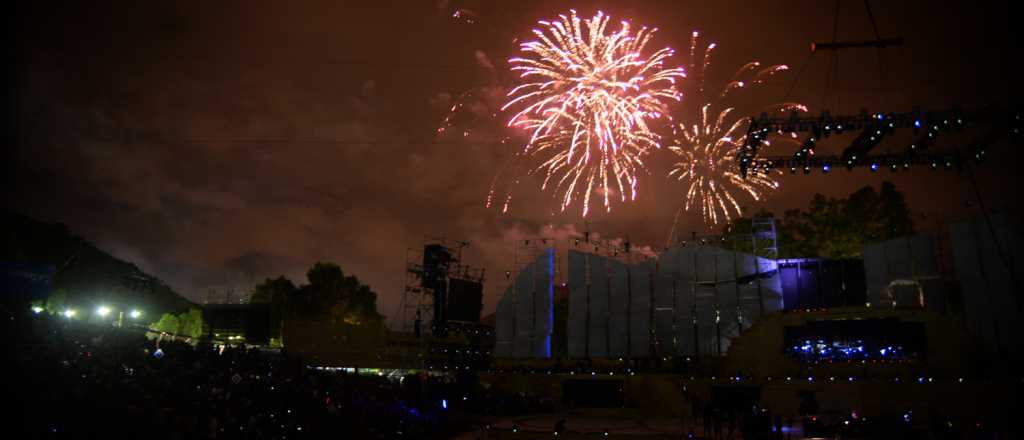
{"x": 465, "y": 300}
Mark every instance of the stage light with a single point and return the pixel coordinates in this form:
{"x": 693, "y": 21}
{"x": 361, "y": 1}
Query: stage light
{"x": 103, "y": 311}
{"x": 135, "y": 314}
{"x": 874, "y": 167}
{"x": 906, "y": 165}
{"x": 37, "y": 310}
{"x": 792, "y": 170}
{"x": 807, "y": 169}
{"x": 70, "y": 313}
{"x": 826, "y": 168}
{"x": 892, "y": 167}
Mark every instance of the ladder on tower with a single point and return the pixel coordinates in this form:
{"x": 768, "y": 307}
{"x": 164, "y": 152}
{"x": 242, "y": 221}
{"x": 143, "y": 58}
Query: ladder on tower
{"x": 764, "y": 241}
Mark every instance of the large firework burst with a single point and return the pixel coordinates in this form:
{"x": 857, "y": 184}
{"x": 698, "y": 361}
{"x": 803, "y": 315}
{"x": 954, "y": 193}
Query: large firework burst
{"x": 707, "y": 139}
{"x": 586, "y": 101}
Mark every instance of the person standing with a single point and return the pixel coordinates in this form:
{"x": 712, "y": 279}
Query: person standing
{"x": 707, "y": 421}
{"x": 718, "y": 424}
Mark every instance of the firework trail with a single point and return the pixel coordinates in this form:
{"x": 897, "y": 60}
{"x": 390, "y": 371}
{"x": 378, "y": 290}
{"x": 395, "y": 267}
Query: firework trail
{"x": 474, "y": 109}
{"x": 707, "y": 139}
{"x": 586, "y": 100}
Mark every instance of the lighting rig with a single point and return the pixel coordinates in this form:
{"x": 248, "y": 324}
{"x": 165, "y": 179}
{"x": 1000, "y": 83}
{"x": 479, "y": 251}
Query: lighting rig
{"x": 871, "y": 130}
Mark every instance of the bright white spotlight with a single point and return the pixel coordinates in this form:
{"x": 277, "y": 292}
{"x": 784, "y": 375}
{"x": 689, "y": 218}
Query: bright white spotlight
{"x": 69, "y": 313}
{"x": 103, "y": 311}
{"x": 135, "y": 314}
{"x": 37, "y": 310}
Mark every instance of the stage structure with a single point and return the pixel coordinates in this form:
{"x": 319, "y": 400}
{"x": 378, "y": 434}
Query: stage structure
{"x": 524, "y": 319}
{"x": 923, "y": 129}
{"x": 989, "y": 263}
{"x": 904, "y": 272}
{"x": 439, "y": 290}
{"x": 815, "y": 283}
{"x": 689, "y": 301}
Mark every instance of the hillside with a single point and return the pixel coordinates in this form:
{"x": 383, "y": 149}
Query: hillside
{"x": 88, "y": 274}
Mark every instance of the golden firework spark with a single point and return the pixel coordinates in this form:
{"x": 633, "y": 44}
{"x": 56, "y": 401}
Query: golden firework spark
{"x": 587, "y": 97}
{"x": 707, "y": 141}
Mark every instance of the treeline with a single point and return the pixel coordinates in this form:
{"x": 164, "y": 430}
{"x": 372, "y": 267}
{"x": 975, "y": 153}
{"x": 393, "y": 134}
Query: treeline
{"x": 329, "y": 298}
{"x": 830, "y": 227}
{"x": 84, "y": 274}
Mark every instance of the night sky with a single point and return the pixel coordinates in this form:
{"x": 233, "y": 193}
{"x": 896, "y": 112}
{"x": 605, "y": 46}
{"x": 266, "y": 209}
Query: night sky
{"x": 218, "y": 143}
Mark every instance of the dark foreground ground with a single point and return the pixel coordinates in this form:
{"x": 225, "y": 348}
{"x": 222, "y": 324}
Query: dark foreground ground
{"x": 75, "y": 380}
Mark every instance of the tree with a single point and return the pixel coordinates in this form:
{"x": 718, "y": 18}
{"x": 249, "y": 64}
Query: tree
{"x": 895, "y": 214}
{"x": 335, "y": 304}
{"x": 272, "y": 291}
{"x": 835, "y": 227}
{"x": 275, "y": 292}
{"x": 339, "y": 298}
{"x": 57, "y": 302}
{"x": 190, "y": 323}
{"x": 168, "y": 323}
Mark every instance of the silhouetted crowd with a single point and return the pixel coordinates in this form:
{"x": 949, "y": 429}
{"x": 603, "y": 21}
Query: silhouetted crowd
{"x": 74, "y": 380}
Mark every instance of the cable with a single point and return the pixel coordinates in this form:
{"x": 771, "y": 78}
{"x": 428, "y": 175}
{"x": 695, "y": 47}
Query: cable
{"x": 881, "y": 53}
{"x": 871, "y": 17}
{"x": 995, "y": 239}
{"x": 799, "y": 73}
{"x": 829, "y": 74}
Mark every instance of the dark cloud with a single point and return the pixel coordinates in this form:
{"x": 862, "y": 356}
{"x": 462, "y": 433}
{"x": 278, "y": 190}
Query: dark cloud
{"x": 217, "y": 144}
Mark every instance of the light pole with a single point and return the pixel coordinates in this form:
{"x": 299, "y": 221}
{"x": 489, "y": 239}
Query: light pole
{"x": 135, "y": 315}
{"x": 69, "y": 313}
{"x": 103, "y": 311}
